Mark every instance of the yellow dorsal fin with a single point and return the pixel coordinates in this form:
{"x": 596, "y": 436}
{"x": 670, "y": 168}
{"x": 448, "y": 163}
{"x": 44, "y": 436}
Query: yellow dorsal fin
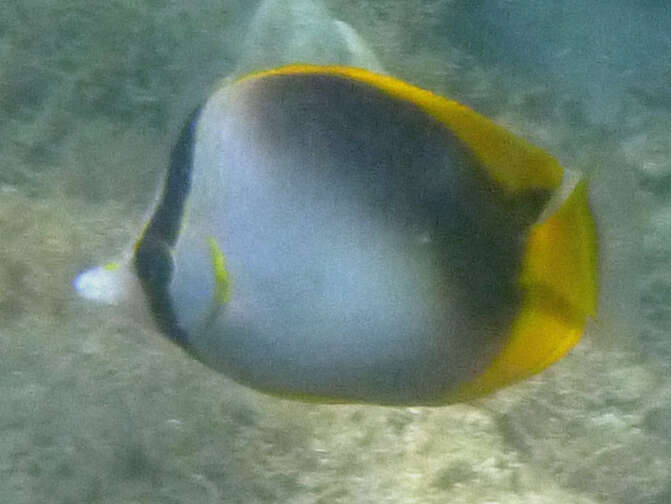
{"x": 514, "y": 164}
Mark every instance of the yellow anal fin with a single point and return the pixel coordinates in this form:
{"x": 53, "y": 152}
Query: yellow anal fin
{"x": 559, "y": 281}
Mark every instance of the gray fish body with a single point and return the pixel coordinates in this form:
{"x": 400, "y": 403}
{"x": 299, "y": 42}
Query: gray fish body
{"x": 356, "y": 244}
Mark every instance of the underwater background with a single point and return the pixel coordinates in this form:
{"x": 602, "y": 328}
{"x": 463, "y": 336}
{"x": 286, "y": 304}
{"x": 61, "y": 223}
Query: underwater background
{"x": 96, "y": 408}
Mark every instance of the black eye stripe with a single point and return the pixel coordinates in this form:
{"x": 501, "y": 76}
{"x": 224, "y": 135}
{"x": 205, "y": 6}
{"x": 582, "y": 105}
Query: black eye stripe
{"x": 153, "y": 259}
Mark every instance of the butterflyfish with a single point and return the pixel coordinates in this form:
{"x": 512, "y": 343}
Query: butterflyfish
{"x": 331, "y": 234}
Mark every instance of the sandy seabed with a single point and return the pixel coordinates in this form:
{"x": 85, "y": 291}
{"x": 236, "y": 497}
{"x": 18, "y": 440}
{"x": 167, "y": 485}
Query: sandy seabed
{"x": 94, "y": 408}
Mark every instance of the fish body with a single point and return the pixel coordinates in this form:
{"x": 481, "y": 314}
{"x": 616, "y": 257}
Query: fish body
{"x": 333, "y": 234}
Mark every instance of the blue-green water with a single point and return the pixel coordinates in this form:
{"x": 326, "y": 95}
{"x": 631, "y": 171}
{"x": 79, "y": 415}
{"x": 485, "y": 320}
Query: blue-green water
{"x": 98, "y": 408}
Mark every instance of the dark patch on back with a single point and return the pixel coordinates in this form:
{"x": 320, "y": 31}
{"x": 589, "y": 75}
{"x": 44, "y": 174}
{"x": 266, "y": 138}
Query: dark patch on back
{"x": 418, "y": 175}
